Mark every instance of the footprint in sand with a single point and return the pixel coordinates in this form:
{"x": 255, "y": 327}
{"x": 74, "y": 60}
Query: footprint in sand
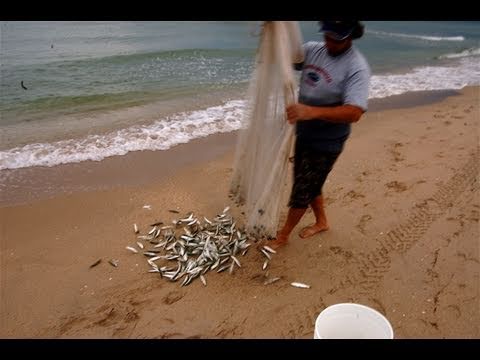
{"x": 131, "y": 316}
{"x": 329, "y": 200}
{"x": 70, "y": 322}
{"x": 396, "y": 186}
{"x": 172, "y": 297}
{"x": 363, "y": 221}
{"x": 456, "y": 309}
{"x": 352, "y": 194}
{"x": 474, "y": 216}
{"x": 338, "y": 250}
{"x": 397, "y": 156}
{"x": 360, "y": 177}
{"x": 108, "y": 319}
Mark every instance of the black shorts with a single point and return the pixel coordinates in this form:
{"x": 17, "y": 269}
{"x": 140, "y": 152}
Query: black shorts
{"x": 310, "y": 171}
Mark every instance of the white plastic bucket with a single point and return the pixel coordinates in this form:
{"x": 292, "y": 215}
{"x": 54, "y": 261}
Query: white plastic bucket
{"x": 352, "y": 321}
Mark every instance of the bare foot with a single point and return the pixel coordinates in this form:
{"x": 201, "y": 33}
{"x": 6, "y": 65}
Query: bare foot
{"x": 280, "y": 240}
{"x": 312, "y": 230}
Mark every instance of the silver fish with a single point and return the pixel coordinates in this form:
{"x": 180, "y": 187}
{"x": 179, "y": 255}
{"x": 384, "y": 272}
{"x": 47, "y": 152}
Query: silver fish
{"x": 175, "y": 275}
{"x": 265, "y": 264}
{"x": 271, "y": 281}
{"x": 236, "y": 261}
{"x": 266, "y": 254}
{"x": 135, "y": 228}
{"x": 269, "y": 249}
{"x": 203, "y": 280}
{"x": 148, "y": 253}
{"x": 189, "y": 218}
{"x": 168, "y": 275}
{"x": 140, "y": 245}
{"x": 113, "y": 262}
{"x": 132, "y": 249}
{"x": 204, "y": 271}
{"x": 187, "y": 280}
{"x": 217, "y": 262}
{"x": 300, "y": 285}
{"x": 153, "y": 230}
{"x": 224, "y": 267}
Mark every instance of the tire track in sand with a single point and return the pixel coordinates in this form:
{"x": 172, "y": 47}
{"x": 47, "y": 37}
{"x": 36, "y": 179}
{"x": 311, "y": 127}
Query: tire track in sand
{"x": 369, "y": 268}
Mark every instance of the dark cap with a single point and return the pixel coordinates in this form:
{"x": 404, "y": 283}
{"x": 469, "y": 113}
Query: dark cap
{"x": 340, "y": 30}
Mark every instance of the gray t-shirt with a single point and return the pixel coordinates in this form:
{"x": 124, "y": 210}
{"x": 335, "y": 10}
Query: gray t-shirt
{"x": 330, "y": 81}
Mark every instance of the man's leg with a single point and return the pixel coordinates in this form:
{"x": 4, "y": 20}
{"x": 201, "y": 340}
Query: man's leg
{"x": 293, "y": 217}
{"x": 321, "y": 223}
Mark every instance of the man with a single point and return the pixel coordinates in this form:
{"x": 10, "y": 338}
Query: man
{"x": 333, "y": 94}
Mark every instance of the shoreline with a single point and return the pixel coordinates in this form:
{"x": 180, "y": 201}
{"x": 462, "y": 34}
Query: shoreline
{"x": 20, "y": 186}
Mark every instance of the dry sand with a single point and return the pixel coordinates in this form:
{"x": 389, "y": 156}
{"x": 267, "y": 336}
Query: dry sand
{"x": 402, "y": 203}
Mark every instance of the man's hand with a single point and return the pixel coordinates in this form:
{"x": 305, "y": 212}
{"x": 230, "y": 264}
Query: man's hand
{"x": 298, "y": 112}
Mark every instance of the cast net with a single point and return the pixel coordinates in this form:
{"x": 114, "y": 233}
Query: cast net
{"x": 261, "y": 171}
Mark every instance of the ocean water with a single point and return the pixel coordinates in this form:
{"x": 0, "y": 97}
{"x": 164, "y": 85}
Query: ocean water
{"x": 76, "y": 91}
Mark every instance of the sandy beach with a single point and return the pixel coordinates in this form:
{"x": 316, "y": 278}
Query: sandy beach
{"x": 402, "y": 202}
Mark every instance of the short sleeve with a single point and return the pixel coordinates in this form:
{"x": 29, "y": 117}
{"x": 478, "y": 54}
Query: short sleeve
{"x": 357, "y": 88}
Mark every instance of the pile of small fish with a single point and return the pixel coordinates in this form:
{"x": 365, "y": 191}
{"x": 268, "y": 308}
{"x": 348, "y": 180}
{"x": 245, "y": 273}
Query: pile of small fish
{"x": 196, "y": 246}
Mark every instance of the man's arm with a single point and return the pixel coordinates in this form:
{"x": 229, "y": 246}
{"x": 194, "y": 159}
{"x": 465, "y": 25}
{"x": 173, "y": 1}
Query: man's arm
{"x": 336, "y": 114}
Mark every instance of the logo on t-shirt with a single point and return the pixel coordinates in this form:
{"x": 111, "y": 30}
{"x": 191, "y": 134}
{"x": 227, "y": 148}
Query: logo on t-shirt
{"x": 313, "y": 75}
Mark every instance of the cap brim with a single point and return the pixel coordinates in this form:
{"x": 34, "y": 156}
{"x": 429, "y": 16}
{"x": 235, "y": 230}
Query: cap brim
{"x": 336, "y": 36}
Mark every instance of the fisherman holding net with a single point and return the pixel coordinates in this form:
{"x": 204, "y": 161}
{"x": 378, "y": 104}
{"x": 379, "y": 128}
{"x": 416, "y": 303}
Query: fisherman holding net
{"x": 333, "y": 94}
{"x": 314, "y": 124}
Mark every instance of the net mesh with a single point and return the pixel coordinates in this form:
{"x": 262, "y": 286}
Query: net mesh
{"x": 261, "y": 171}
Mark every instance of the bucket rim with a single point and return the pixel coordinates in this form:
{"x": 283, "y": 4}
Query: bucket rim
{"x": 359, "y": 306}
